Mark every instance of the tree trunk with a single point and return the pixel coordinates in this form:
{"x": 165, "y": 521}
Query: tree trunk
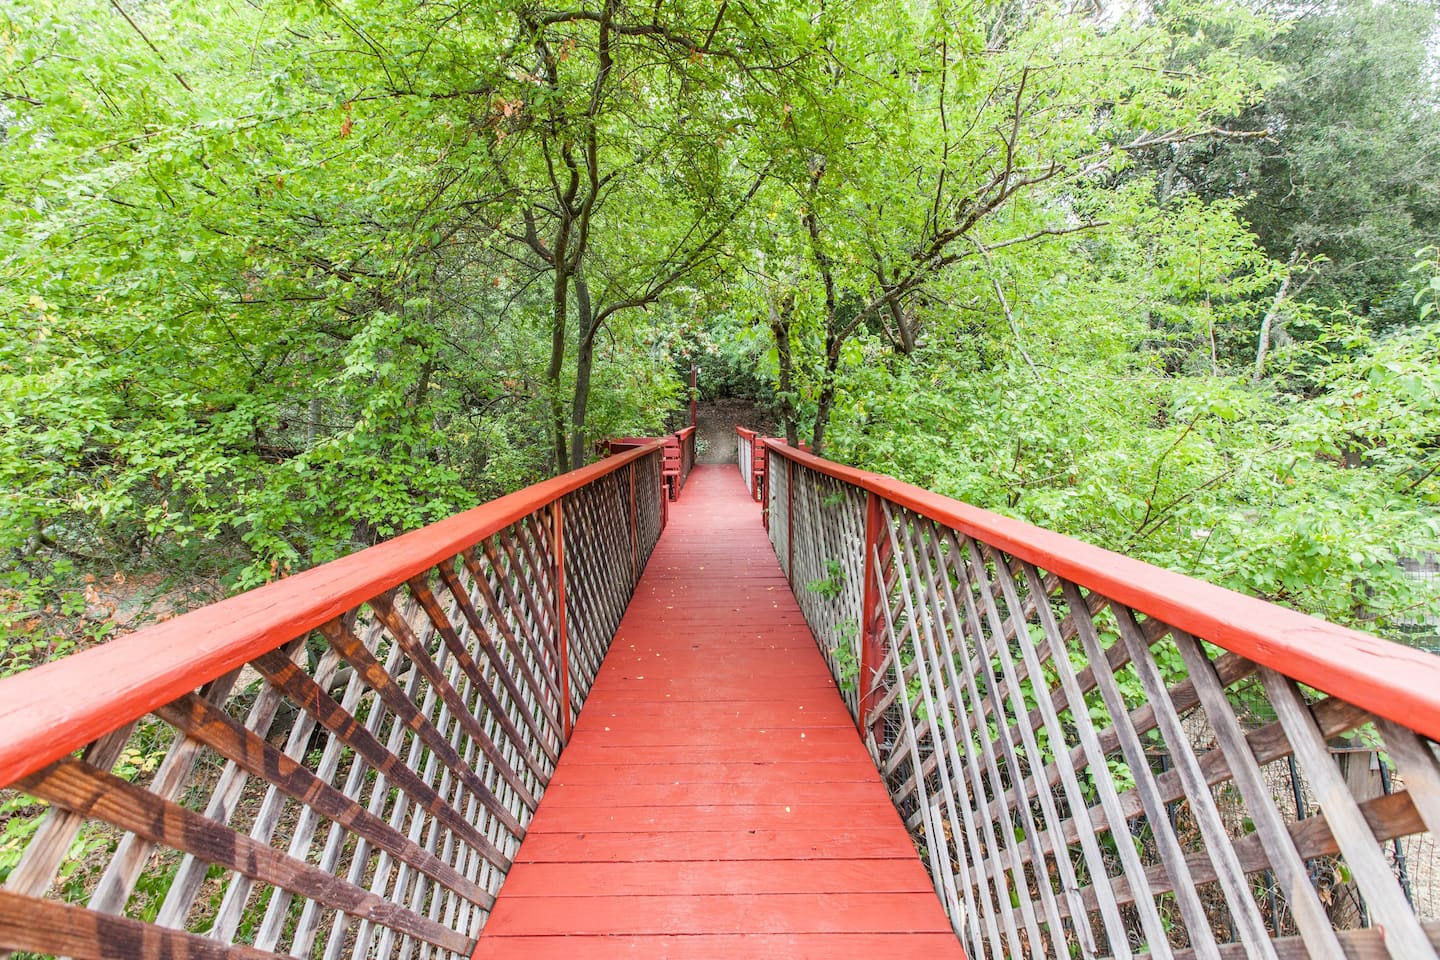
{"x": 312, "y": 422}
{"x": 826, "y": 401}
{"x": 584, "y": 364}
{"x": 903, "y": 329}
{"x": 1273, "y": 325}
{"x": 780, "y": 327}
{"x": 560, "y": 296}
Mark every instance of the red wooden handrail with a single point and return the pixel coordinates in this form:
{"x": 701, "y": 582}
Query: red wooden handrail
{"x": 1390, "y": 680}
{"x": 57, "y": 708}
{"x": 686, "y": 437}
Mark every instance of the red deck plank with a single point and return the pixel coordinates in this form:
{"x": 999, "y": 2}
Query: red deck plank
{"x": 778, "y": 774}
{"x": 613, "y": 795}
{"x": 750, "y": 715}
{"x": 754, "y": 946}
{"x": 712, "y": 736}
{"x": 790, "y": 746}
{"x": 661, "y": 846}
{"x": 706, "y": 817}
{"x": 722, "y": 913}
{"x": 702, "y": 877}
{"x": 715, "y": 799}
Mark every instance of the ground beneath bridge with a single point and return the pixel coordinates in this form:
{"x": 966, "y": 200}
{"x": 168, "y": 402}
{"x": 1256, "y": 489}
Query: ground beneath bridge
{"x": 715, "y": 428}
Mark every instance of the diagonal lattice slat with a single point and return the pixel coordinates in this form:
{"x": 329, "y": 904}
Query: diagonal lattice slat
{"x": 354, "y": 788}
{"x": 1083, "y": 776}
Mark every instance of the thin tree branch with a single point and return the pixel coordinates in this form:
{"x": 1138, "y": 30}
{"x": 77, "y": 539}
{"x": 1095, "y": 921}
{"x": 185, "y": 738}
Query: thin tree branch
{"x": 136, "y": 27}
{"x": 1005, "y": 306}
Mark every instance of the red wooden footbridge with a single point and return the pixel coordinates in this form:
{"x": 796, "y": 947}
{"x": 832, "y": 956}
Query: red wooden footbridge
{"x": 798, "y": 710}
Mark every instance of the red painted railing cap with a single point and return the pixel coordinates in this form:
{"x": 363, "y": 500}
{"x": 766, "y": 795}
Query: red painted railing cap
{"x": 57, "y": 708}
{"x": 1388, "y": 679}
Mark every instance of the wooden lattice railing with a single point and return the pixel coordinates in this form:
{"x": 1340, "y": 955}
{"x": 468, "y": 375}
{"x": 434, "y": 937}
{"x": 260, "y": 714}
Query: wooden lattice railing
{"x": 1101, "y": 758}
{"x": 750, "y": 454}
{"x": 339, "y": 763}
{"x": 687, "y": 453}
{"x": 745, "y": 456}
{"x": 679, "y": 455}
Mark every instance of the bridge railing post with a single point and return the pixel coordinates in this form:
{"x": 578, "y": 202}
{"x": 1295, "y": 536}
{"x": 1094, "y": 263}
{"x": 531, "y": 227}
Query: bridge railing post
{"x": 634, "y": 532}
{"x": 872, "y": 650}
{"x": 790, "y": 521}
{"x": 451, "y": 653}
{"x": 1015, "y": 684}
{"x": 557, "y": 517}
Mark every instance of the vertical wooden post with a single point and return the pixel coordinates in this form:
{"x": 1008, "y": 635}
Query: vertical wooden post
{"x": 790, "y": 521}
{"x": 635, "y": 530}
{"x": 872, "y": 652}
{"x": 557, "y": 516}
{"x": 761, "y": 493}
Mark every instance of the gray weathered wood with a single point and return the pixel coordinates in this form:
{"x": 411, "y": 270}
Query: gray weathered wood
{"x": 62, "y": 929}
{"x": 1389, "y": 907}
{"x": 1283, "y": 859}
{"x": 95, "y": 793}
{"x": 301, "y": 689}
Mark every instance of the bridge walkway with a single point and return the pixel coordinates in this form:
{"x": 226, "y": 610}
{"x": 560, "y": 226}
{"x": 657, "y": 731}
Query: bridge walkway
{"x": 715, "y": 799}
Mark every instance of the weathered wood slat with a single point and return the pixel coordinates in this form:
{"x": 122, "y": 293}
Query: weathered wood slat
{"x": 1108, "y": 907}
{"x": 360, "y": 863}
{"x": 236, "y": 902}
{"x": 420, "y": 657}
{"x": 1215, "y": 841}
{"x": 1281, "y": 855}
{"x": 1268, "y": 744}
{"x": 95, "y": 793}
{"x": 394, "y": 879}
{"x": 1005, "y": 687}
{"x": 963, "y": 713}
{"x": 540, "y": 696}
{"x": 1005, "y": 867}
{"x": 972, "y": 581}
{"x": 46, "y": 850}
{"x": 421, "y": 591}
{"x": 940, "y": 869}
{"x": 399, "y": 702}
{"x": 206, "y": 724}
{"x": 1388, "y": 817}
{"x": 538, "y": 618}
{"x": 1198, "y": 925}
{"x": 128, "y": 860}
{"x": 535, "y": 645}
{"x": 1416, "y": 763}
{"x": 993, "y": 849}
{"x": 302, "y": 690}
{"x": 229, "y": 788}
{"x": 62, "y": 929}
{"x": 1368, "y": 944}
{"x": 1388, "y": 904}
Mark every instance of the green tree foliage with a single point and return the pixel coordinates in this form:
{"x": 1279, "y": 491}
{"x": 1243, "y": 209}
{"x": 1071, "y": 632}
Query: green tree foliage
{"x": 1347, "y": 184}
{"x": 256, "y": 311}
{"x": 980, "y": 137}
{"x": 282, "y": 280}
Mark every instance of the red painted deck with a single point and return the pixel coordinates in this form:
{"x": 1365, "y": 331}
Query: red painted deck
{"x": 715, "y": 800}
